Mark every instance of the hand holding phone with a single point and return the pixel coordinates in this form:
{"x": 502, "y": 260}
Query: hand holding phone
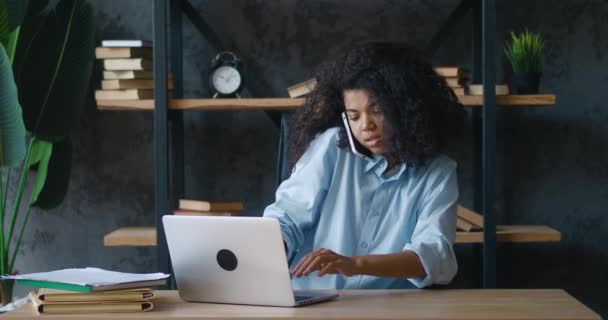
{"x": 355, "y": 146}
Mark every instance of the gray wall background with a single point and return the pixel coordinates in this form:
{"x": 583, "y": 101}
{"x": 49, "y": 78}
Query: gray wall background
{"x": 552, "y": 162}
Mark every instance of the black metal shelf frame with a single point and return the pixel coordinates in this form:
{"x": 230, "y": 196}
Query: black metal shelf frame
{"x": 169, "y": 154}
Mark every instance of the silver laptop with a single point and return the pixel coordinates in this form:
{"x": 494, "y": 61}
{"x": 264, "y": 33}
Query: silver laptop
{"x": 232, "y": 260}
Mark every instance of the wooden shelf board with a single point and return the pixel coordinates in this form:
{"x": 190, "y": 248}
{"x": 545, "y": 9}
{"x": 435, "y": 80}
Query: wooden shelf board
{"x": 512, "y": 100}
{"x": 146, "y": 236}
{"x": 205, "y": 104}
{"x": 131, "y": 237}
{"x": 513, "y": 233}
{"x": 290, "y": 104}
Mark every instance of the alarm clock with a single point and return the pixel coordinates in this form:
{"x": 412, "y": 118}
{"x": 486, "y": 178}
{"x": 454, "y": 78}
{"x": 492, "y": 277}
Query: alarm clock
{"x": 226, "y": 75}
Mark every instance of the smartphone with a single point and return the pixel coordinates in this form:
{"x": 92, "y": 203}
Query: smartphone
{"x": 355, "y": 146}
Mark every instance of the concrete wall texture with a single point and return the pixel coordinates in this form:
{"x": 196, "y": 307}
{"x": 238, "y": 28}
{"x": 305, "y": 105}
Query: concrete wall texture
{"x": 552, "y": 162}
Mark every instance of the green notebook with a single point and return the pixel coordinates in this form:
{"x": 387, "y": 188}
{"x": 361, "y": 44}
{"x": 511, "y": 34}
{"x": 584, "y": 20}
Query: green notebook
{"x": 89, "y": 279}
{"x": 89, "y": 287}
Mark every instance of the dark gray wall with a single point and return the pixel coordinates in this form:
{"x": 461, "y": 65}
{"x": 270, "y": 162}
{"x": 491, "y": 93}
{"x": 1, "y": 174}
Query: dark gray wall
{"x": 552, "y": 162}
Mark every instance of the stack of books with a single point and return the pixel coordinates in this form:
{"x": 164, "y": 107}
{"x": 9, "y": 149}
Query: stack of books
{"x": 468, "y": 220}
{"x": 209, "y": 208}
{"x": 127, "y": 70}
{"x": 90, "y": 290}
{"x": 454, "y": 76}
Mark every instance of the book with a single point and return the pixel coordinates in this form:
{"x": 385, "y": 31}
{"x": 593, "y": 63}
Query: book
{"x": 89, "y": 279}
{"x": 197, "y": 205}
{"x": 126, "y": 94}
{"x": 126, "y": 43}
{"x": 54, "y": 295}
{"x": 477, "y": 89}
{"x": 470, "y": 216}
{"x": 455, "y": 82}
{"x": 129, "y": 74}
{"x": 127, "y": 64}
{"x": 130, "y": 84}
{"x": 123, "y": 52}
{"x": 449, "y": 71}
{"x": 458, "y": 91}
{"x": 302, "y": 88}
{"x": 42, "y": 307}
{"x": 464, "y": 225}
{"x": 182, "y": 212}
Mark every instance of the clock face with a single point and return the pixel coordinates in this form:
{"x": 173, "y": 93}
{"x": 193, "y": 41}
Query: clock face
{"x": 226, "y": 79}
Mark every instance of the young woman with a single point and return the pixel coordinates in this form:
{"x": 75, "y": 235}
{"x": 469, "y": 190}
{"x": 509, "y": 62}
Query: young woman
{"x": 384, "y": 222}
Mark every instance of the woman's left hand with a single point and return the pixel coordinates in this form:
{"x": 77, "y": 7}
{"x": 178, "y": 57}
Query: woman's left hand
{"x": 326, "y": 262}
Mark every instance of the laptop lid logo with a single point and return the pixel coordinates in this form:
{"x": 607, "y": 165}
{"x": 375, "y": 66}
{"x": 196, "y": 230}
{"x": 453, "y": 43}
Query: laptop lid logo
{"x": 226, "y": 260}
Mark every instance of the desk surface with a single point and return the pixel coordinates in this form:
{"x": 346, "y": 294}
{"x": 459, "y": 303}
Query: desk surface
{"x": 370, "y": 304}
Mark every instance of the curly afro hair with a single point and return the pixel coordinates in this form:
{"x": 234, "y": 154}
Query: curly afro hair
{"x": 419, "y": 108}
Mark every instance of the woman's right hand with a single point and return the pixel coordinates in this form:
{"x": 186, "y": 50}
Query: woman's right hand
{"x": 326, "y": 262}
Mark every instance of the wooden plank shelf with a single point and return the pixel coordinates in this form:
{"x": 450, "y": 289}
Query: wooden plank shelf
{"x": 512, "y": 100}
{"x": 513, "y": 233}
{"x": 205, "y": 104}
{"x": 290, "y": 104}
{"x": 146, "y": 236}
{"x": 131, "y": 237}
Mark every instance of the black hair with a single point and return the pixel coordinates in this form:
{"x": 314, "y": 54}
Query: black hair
{"x": 420, "y": 110}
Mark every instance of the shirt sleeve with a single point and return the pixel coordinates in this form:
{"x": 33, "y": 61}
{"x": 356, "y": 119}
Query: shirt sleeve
{"x": 435, "y": 231}
{"x": 298, "y": 199}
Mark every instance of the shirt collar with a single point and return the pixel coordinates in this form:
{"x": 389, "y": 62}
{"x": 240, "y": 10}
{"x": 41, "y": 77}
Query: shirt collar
{"x": 378, "y": 163}
{"x": 374, "y": 162}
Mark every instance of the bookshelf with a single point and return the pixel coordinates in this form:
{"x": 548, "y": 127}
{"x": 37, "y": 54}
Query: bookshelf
{"x": 285, "y": 104}
{"x": 170, "y": 110}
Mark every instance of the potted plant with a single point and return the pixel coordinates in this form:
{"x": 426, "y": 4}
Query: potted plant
{"x": 524, "y": 52}
{"x": 46, "y": 60}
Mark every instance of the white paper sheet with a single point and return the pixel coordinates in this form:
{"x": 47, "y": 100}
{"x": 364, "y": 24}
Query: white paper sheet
{"x": 88, "y": 276}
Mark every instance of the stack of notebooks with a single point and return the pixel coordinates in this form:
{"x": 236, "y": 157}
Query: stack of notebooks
{"x": 454, "y": 76}
{"x": 209, "y": 208}
{"x": 90, "y": 290}
{"x": 53, "y": 301}
{"x": 127, "y": 70}
{"x": 468, "y": 220}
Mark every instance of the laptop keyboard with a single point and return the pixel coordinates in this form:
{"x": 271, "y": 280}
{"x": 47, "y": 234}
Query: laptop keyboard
{"x": 300, "y": 298}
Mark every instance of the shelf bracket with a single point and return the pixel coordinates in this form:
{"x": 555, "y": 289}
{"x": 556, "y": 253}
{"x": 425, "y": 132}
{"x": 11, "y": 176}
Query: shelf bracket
{"x": 203, "y": 27}
{"x": 448, "y": 26}
{"x": 255, "y": 85}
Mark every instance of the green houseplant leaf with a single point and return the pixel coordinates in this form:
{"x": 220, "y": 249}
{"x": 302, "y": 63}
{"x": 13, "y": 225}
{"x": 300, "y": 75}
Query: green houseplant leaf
{"x": 525, "y": 51}
{"x": 16, "y": 12}
{"x": 58, "y": 177}
{"x": 53, "y": 66}
{"x": 4, "y": 27}
{"x": 11, "y": 15}
{"x": 12, "y": 130}
{"x": 55, "y": 54}
{"x": 41, "y": 154}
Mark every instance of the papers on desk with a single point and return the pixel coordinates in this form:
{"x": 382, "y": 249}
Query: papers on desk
{"x": 89, "y": 279}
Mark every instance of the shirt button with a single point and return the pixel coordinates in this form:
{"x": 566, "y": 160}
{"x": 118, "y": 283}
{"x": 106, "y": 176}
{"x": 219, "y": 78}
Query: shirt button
{"x": 364, "y": 244}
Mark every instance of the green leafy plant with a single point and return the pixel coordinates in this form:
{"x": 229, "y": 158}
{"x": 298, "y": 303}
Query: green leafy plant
{"x": 525, "y": 52}
{"x": 51, "y": 47}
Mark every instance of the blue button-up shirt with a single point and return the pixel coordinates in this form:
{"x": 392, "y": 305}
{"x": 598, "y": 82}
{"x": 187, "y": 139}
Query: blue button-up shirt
{"x": 338, "y": 201}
